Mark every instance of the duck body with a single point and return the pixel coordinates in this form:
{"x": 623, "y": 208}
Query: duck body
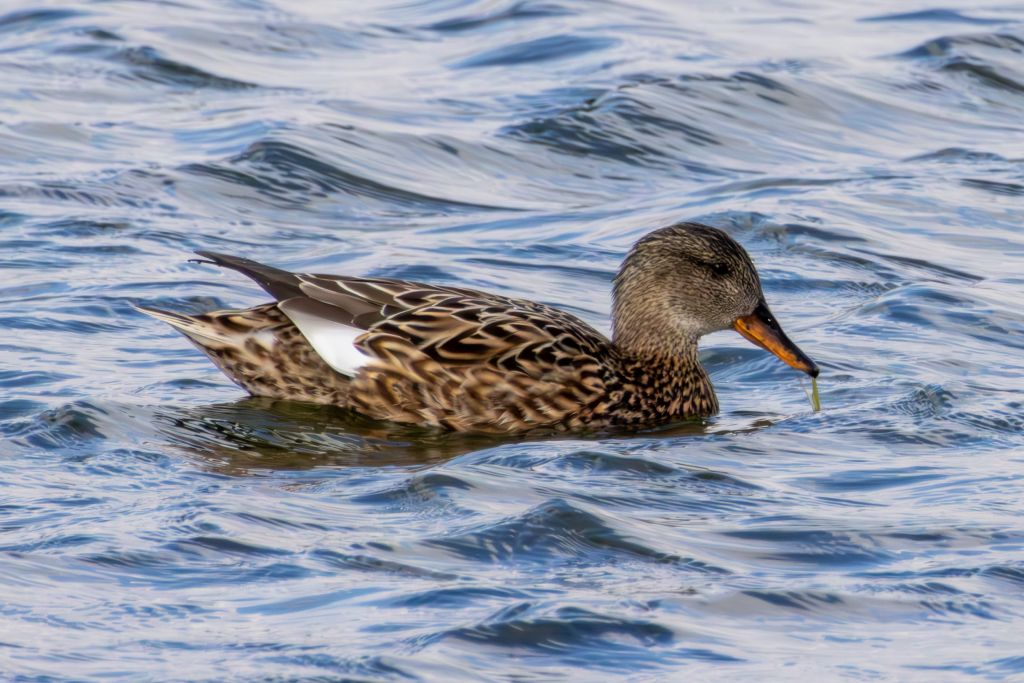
{"x": 466, "y": 360}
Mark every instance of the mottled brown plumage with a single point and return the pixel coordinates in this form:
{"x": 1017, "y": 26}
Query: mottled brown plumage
{"x": 471, "y": 361}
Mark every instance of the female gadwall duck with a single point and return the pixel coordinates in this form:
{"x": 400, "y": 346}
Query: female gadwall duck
{"x": 470, "y": 361}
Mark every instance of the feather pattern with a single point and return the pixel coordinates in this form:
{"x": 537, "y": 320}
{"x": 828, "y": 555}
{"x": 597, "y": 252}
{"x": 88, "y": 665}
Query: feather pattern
{"x": 466, "y": 360}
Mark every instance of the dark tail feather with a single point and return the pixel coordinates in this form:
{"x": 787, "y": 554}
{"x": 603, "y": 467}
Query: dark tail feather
{"x": 279, "y": 283}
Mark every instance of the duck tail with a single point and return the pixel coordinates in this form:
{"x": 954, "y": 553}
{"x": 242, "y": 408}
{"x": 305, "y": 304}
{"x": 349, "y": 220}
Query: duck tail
{"x": 202, "y": 329}
{"x": 279, "y": 283}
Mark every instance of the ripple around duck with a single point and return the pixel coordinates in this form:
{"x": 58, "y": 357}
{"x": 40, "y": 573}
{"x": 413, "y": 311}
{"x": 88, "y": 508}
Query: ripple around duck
{"x": 173, "y": 570}
{"x": 1012, "y": 574}
{"x": 952, "y": 155}
{"x": 613, "y": 126}
{"x": 488, "y": 16}
{"x": 929, "y": 600}
{"x": 995, "y": 187}
{"x": 428, "y": 487}
{"x": 255, "y": 434}
{"x": 965, "y": 320}
{"x": 324, "y": 667}
{"x": 200, "y": 546}
{"x": 290, "y": 173}
{"x": 618, "y": 466}
{"x": 17, "y": 407}
{"x": 369, "y": 563}
{"x": 623, "y": 482}
{"x": 538, "y": 50}
{"x": 933, "y": 15}
{"x": 133, "y": 189}
{"x": 874, "y": 479}
{"x": 919, "y": 603}
{"x": 146, "y": 64}
{"x": 598, "y": 462}
{"x": 662, "y": 123}
{"x": 23, "y": 20}
{"x": 573, "y": 636}
{"x": 988, "y": 60}
{"x": 554, "y": 531}
{"x": 453, "y": 597}
{"x": 822, "y": 549}
{"x": 947, "y": 46}
{"x": 71, "y": 426}
{"x": 986, "y": 74}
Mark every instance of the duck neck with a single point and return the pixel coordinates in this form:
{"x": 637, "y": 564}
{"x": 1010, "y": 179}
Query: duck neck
{"x": 662, "y": 370}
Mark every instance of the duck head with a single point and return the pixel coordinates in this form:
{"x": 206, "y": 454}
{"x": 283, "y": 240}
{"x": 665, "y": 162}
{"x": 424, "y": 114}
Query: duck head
{"x": 687, "y": 280}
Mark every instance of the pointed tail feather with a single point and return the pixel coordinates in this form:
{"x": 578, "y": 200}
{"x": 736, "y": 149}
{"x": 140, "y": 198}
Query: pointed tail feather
{"x": 280, "y": 283}
{"x": 194, "y": 327}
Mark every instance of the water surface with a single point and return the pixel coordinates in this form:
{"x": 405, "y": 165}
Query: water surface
{"x": 157, "y": 525}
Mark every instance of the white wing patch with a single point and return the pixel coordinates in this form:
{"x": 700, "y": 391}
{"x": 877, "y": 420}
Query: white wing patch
{"x": 333, "y": 341}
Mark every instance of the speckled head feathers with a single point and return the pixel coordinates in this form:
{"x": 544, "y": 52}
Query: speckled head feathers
{"x": 683, "y": 282}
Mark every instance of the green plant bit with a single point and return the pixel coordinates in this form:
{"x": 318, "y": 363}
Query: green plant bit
{"x": 815, "y": 397}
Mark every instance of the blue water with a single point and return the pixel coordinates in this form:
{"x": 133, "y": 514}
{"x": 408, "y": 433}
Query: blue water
{"x": 157, "y": 525}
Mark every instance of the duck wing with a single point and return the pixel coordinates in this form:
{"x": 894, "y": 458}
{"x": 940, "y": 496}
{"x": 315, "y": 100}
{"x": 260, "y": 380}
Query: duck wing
{"x": 480, "y": 362}
{"x": 371, "y": 299}
{"x": 441, "y": 355}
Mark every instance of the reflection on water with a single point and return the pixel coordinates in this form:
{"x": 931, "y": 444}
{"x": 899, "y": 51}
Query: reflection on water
{"x": 155, "y": 523}
{"x": 260, "y": 433}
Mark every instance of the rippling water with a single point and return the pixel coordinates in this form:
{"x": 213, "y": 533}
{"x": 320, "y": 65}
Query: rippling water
{"x": 155, "y": 524}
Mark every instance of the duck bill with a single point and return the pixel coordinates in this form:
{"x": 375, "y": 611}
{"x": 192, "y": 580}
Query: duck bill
{"x": 762, "y": 329}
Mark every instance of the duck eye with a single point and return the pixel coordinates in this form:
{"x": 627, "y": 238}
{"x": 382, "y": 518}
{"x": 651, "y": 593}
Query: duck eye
{"x": 720, "y": 269}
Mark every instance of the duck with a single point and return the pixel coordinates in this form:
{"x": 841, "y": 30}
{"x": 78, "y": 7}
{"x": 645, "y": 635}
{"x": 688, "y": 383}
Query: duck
{"x": 470, "y": 361}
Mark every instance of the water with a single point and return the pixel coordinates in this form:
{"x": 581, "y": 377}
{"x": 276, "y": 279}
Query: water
{"x": 157, "y": 525}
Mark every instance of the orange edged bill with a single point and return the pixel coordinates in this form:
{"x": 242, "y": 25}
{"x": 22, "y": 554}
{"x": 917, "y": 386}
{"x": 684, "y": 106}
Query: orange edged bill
{"x": 761, "y": 328}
